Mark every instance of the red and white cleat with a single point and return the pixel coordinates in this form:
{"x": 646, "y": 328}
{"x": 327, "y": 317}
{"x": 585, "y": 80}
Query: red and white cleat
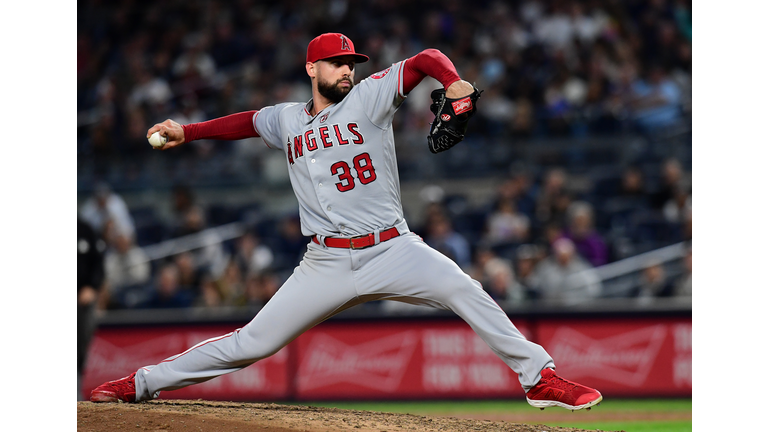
{"x": 122, "y": 390}
{"x": 553, "y": 391}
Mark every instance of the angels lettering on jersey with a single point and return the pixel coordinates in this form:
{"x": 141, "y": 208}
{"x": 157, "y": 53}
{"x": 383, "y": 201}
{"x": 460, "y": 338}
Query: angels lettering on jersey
{"x": 322, "y": 138}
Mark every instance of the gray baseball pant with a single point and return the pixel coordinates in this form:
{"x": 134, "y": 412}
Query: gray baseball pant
{"x": 330, "y": 280}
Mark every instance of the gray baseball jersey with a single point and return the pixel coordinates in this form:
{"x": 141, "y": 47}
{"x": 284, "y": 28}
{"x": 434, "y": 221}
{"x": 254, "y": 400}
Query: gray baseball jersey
{"x": 344, "y": 173}
{"x": 342, "y": 160}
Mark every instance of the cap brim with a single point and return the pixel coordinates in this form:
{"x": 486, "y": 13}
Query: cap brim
{"x": 359, "y": 58}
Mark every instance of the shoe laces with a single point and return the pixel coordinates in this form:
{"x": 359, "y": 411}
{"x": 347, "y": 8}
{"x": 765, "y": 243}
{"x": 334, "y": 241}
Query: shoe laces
{"x": 562, "y": 383}
{"x": 122, "y": 382}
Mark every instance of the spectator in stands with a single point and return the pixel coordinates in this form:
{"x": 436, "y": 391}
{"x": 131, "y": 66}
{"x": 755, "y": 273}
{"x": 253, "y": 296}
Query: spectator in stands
{"x": 589, "y": 243}
{"x": 125, "y": 265}
{"x": 523, "y": 120}
{"x": 211, "y": 257}
{"x": 259, "y": 288}
{"x": 252, "y": 255}
{"x": 440, "y": 235}
{"x": 90, "y": 277}
{"x": 671, "y": 177}
{"x": 622, "y": 76}
{"x": 194, "y": 69}
{"x": 435, "y": 208}
{"x": 684, "y": 284}
{"x": 192, "y": 221}
{"x": 149, "y": 89}
{"x": 290, "y": 245}
{"x": 526, "y": 191}
{"x": 683, "y": 17}
{"x": 105, "y": 206}
{"x": 500, "y": 281}
{"x": 564, "y": 276}
{"x": 654, "y": 282}
{"x": 189, "y": 274}
{"x": 134, "y": 139}
{"x": 231, "y": 284}
{"x": 597, "y": 100}
{"x": 622, "y": 210}
{"x": 687, "y": 226}
{"x": 630, "y": 198}
{"x": 227, "y": 47}
{"x": 656, "y": 100}
{"x": 209, "y": 296}
{"x": 526, "y": 258}
{"x": 167, "y": 291}
{"x": 518, "y": 188}
{"x": 554, "y": 198}
{"x": 499, "y": 109}
{"x": 633, "y": 184}
{"x": 483, "y": 254}
{"x": 554, "y": 29}
{"x": 549, "y": 233}
{"x": 194, "y": 60}
{"x": 189, "y": 111}
{"x": 183, "y": 199}
{"x": 679, "y": 206}
{"x": 496, "y": 276}
{"x": 562, "y": 95}
{"x": 506, "y": 225}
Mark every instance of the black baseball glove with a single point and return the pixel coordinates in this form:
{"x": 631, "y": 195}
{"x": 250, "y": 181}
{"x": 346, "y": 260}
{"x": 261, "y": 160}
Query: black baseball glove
{"x": 451, "y": 118}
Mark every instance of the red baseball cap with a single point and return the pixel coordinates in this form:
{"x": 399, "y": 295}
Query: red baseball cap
{"x": 329, "y": 45}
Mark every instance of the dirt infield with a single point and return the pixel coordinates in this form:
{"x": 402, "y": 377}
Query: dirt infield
{"x": 207, "y": 416}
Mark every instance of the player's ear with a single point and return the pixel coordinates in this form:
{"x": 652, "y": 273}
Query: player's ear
{"x": 310, "y": 69}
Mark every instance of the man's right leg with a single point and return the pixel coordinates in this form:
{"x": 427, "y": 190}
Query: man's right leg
{"x": 412, "y": 272}
{"x": 312, "y": 294}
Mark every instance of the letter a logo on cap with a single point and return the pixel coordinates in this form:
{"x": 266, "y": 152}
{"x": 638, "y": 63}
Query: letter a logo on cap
{"x": 325, "y": 46}
{"x": 345, "y": 44}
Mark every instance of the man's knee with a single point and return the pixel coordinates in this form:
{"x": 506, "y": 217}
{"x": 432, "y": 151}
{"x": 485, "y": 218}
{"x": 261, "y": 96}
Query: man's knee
{"x": 461, "y": 286}
{"x": 259, "y": 346}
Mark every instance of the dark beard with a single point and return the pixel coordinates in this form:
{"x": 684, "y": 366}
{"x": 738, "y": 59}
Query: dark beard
{"x": 333, "y": 92}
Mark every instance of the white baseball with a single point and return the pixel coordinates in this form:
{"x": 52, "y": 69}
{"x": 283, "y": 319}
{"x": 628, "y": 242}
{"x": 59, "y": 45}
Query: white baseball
{"x": 157, "y": 140}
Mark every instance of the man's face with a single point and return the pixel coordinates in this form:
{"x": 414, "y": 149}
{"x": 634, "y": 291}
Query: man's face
{"x": 335, "y": 77}
{"x": 563, "y": 251}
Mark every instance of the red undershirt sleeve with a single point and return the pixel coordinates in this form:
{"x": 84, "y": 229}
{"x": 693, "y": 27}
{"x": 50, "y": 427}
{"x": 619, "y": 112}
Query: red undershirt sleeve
{"x": 232, "y": 127}
{"x": 430, "y": 62}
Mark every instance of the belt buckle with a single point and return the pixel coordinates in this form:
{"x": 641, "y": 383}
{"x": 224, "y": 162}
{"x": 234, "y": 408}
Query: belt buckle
{"x": 352, "y": 241}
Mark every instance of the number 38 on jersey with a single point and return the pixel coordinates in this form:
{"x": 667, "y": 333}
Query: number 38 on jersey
{"x": 362, "y": 164}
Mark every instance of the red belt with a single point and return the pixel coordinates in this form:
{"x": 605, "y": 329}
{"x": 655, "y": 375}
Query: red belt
{"x": 358, "y": 242}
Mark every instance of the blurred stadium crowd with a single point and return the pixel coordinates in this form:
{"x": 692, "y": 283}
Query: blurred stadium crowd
{"x": 567, "y": 73}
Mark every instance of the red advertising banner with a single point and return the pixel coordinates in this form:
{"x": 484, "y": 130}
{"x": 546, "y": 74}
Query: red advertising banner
{"x": 116, "y": 353}
{"x": 626, "y": 357}
{"x": 400, "y": 360}
{"x": 426, "y": 359}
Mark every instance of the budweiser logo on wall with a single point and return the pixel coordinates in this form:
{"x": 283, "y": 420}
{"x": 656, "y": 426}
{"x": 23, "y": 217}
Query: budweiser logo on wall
{"x": 466, "y": 376}
{"x": 452, "y": 344}
{"x": 626, "y": 358}
{"x": 378, "y": 364}
{"x": 105, "y": 359}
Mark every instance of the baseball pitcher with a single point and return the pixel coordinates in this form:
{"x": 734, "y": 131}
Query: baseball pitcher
{"x": 340, "y": 153}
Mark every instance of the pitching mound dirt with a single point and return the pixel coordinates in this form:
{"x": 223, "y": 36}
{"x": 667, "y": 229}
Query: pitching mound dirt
{"x": 206, "y": 416}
